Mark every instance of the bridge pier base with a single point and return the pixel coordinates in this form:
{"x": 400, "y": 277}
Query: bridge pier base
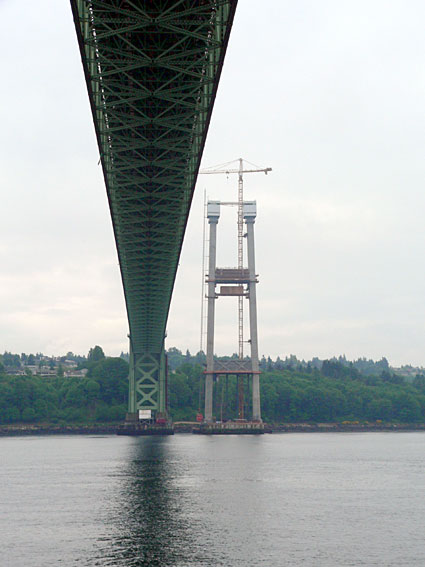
{"x": 135, "y": 427}
{"x": 147, "y": 400}
{"x": 237, "y": 427}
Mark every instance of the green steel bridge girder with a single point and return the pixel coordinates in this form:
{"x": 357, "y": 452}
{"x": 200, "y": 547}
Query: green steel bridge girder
{"x": 152, "y": 68}
{"x": 147, "y": 382}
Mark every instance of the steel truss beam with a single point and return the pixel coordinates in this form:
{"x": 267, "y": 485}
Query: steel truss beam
{"x": 152, "y": 69}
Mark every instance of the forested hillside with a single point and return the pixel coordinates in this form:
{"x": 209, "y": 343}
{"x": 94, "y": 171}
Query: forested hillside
{"x": 99, "y": 396}
{"x": 335, "y": 393}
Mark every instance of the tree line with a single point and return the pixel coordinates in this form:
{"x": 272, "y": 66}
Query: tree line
{"x": 336, "y": 393}
{"x": 295, "y": 393}
{"x": 99, "y": 396}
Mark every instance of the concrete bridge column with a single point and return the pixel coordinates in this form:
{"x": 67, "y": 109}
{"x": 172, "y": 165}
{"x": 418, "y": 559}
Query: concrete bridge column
{"x": 249, "y": 215}
{"x": 213, "y": 214}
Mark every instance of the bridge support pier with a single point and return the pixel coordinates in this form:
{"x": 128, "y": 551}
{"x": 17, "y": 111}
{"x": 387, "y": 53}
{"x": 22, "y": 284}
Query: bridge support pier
{"x": 213, "y": 214}
{"x": 147, "y": 397}
{"x": 249, "y": 216}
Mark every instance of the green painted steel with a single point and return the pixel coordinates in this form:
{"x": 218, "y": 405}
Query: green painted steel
{"x": 147, "y": 382}
{"x": 152, "y": 69}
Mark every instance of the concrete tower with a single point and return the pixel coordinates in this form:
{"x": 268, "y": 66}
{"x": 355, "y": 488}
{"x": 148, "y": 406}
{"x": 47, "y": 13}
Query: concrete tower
{"x": 235, "y": 282}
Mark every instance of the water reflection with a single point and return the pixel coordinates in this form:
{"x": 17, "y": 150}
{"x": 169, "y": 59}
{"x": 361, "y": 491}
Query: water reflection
{"x": 149, "y": 529}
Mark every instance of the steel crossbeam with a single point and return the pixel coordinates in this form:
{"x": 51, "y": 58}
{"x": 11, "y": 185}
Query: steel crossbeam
{"x": 152, "y": 69}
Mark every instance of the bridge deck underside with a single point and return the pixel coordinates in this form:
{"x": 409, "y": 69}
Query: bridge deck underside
{"x": 152, "y": 68}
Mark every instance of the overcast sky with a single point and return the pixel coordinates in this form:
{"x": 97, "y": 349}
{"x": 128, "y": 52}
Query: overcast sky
{"x": 328, "y": 93}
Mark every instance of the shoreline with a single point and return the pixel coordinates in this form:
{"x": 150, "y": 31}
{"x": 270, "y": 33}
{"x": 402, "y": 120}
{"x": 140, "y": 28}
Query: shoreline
{"x": 111, "y": 429}
{"x": 345, "y": 427}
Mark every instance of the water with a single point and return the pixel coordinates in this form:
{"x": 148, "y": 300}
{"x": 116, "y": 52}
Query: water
{"x": 315, "y": 500}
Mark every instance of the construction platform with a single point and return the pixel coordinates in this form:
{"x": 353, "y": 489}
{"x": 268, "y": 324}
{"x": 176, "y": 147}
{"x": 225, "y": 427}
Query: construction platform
{"x": 232, "y": 428}
{"x": 137, "y": 429}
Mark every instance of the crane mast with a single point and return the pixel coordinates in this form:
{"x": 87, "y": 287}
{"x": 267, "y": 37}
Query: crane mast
{"x": 240, "y": 253}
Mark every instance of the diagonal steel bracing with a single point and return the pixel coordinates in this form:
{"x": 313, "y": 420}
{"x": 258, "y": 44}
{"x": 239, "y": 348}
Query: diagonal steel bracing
{"x": 152, "y": 69}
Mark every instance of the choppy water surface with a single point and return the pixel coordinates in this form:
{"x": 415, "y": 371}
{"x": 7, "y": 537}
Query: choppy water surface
{"x": 317, "y": 499}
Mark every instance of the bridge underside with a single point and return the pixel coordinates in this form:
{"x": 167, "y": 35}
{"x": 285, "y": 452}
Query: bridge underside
{"x": 152, "y": 69}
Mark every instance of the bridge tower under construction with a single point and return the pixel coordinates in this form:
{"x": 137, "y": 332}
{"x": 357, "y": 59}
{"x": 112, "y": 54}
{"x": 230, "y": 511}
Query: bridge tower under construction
{"x": 241, "y": 283}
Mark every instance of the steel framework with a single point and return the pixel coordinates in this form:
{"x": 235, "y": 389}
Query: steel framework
{"x": 152, "y": 69}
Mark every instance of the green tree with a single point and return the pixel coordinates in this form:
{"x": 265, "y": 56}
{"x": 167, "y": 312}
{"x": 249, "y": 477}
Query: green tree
{"x": 96, "y": 354}
{"x": 112, "y": 376}
{"x": 76, "y": 395}
{"x": 40, "y": 409}
{"x": 28, "y": 415}
{"x": 10, "y": 415}
{"x": 11, "y": 360}
{"x": 92, "y": 389}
